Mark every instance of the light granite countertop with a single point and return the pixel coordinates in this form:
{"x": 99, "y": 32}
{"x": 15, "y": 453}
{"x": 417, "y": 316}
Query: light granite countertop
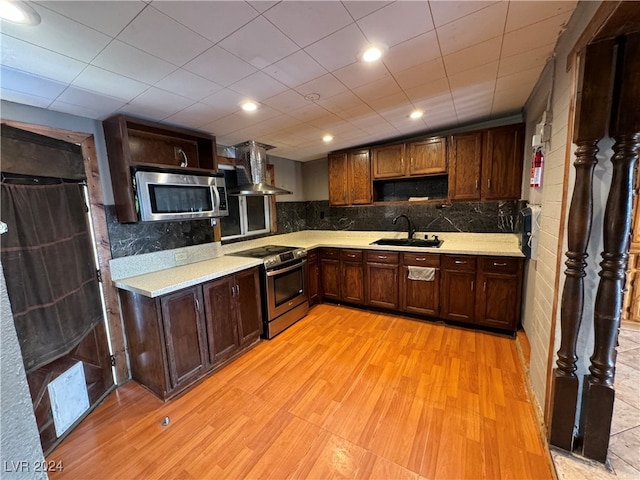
{"x": 213, "y": 261}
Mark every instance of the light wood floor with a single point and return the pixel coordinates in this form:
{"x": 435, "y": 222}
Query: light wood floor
{"x": 343, "y": 393}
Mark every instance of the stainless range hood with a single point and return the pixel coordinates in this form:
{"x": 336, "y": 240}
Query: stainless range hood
{"x": 251, "y": 169}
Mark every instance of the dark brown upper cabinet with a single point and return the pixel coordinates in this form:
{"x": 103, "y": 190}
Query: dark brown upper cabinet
{"x": 350, "y": 178}
{"x": 424, "y": 157}
{"x": 133, "y": 142}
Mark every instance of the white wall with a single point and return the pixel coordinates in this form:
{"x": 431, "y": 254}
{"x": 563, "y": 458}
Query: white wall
{"x": 315, "y": 179}
{"x": 19, "y": 439}
{"x": 542, "y": 275}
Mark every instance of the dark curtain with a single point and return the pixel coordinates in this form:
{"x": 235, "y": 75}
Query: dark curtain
{"x": 49, "y": 267}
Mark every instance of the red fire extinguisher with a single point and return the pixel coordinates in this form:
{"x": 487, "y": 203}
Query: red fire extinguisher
{"x": 536, "y": 168}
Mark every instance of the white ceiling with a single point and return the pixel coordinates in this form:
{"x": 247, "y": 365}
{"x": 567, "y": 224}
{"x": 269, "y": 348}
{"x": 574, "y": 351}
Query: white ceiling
{"x": 191, "y": 63}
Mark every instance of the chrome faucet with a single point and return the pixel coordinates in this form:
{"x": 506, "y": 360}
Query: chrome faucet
{"x": 410, "y": 228}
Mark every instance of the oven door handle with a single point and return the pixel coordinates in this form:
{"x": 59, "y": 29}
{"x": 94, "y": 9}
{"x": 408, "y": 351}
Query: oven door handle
{"x": 286, "y": 269}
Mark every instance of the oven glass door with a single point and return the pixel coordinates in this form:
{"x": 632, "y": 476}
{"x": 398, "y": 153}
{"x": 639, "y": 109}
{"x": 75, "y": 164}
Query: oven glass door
{"x": 285, "y": 288}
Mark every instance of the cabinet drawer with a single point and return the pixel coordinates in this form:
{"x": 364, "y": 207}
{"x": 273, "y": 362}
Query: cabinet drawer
{"x": 351, "y": 255}
{"x": 459, "y": 262}
{"x": 421, "y": 259}
{"x": 332, "y": 253}
{"x": 500, "y": 264}
{"x": 382, "y": 257}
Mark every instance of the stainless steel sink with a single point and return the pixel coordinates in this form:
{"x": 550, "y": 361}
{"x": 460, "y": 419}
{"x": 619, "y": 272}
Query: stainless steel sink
{"x": 409, "y": 242}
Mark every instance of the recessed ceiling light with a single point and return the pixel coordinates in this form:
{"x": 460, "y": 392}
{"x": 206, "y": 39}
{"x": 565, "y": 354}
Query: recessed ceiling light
{"x": 372, "y": 54}
{"x": 327, "y": 138}
{"x": 16, "y": 11}
{"x": 249, "y": 106}
{"x": 416, "y": 114}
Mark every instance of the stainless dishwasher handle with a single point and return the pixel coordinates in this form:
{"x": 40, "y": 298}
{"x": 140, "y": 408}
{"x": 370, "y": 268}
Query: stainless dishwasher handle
{"x": 285, "y": 270}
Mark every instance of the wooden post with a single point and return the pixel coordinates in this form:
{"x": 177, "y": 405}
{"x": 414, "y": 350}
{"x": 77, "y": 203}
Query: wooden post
{"x": 598, "y": 391}
{"x": 591, "y": 118}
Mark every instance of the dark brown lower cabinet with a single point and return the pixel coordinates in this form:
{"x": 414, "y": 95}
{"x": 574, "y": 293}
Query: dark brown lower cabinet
{"x": 419, "y": 296}
{"x": 382, "y": 279}
{"x": 330, "y": 273}
{"x": 352, "y": 276}
{"x": 176, "y": 339}
{"x": 458, "y": 288}
{"x": 499, "y": 293}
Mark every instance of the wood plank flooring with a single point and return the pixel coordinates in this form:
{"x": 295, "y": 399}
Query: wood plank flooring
{"x": 344, "y": 393}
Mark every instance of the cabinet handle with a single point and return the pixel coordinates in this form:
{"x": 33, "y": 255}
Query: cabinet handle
{"x": 420, "y": 259}
{"x": 382, "y": 257}
{"x": 476, "y": 184}
{"x": 484, "y": 287}
{"x": 473, "y": 283}
{"x": 489, "y": 184}
{"x": 237, "y": 289}
{"x": 197, "y": 305}
{"x": 351, "y": 255}
{"x": 496, "y": 264}
{"x": 233, "y": 290}
{"x": 461, "y": 262}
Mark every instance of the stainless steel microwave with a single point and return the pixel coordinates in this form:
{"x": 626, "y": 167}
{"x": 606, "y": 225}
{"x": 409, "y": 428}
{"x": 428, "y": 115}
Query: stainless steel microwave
{"x": 180, "y": 196}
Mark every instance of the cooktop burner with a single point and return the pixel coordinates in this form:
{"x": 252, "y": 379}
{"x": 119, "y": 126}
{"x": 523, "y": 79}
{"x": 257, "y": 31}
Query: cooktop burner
{"x": 265, "y": 251}
{"x": 273, "y": 255}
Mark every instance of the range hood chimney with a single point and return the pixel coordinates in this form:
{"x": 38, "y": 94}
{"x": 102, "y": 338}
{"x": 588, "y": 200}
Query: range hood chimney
{"x": 251, "y": 169}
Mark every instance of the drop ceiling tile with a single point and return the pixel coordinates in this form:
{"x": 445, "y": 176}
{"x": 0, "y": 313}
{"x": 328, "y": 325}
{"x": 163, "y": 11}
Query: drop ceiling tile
{"x": 338, "y": 49}
{"x": 308, "y": 113}
{"x": 90, "y": 101}
{"x": 361, "y": 73}
{"x": 24, "y": 98}
{"x": 131, "y": 62}
{"x": 194, "y": 116}
{"x": 157, "y": 103}
{"x": 525, "y": 79}
{"x": 378, "y": 89}
{"x": 341, "y": 103}
{"x": 472, "y": 29}
{"x": 325, "y": 86}
{"x": 209, "y": 65}
{"x": 159, "y": 35}
{"x": 30, "y": 58}
{"x": 473, "y": 56}
{"x": 391, "y": 101}
{"x": 359, "y": 9}
{"x": 213, "y": 20}
{"x": 249, "y": 43}
{"x": 475, "y": 76}
{"x": 296, "y": 69}
{"x": 524, "y": 61}
{"x": 285, "y": 101}
{"x": 325, "y": 122}
{"x": 426, "y": 72}
{"x": 108, "y": 83}
{"x": 444, "y": 12}
{"x": 308, "y": 22}
{"x": 522, "y": 14}
{"x": 93, "y": 111}
{"x": 396, "y": 23}
{"x": 412, "y": 52}
{"x": 60, "y": 34}
{"x": 187, "y": 84}
{"x": 224, "y": 102}
{"x": 504, "y": 104}
{"x": 226, "y": 125}
{"x": 18, "y": 81}
{"x": 258, "y": 86}
{"x": 427, "y": 90}
{"x": 263, "y": 5}
{"x": 106, "y": 17}
{"x": 533, "y": 36}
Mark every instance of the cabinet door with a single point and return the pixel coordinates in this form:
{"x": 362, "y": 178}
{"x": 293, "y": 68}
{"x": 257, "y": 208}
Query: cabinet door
{"x": 359, "y": 180}
{"x": 247, "y": 295}
{"x": 185, "y": 335}
{"x": 420, "y": 296}
{"x": 222, "y": 329}
{"x": 388, "y": 161}
{"x": 338, "y": 173}
{"x": 313, "y": 276}
{"x": 464, "y": 166}
{"x": 330, "y": 277}
{"x": 499, "y": 292}
{"x": 382, "y": 285}
{"x": 352, "y": 282}
{"x": 502, "y": 161}
{"x": 428, "y": 156}
{"x": 458, "y": 295}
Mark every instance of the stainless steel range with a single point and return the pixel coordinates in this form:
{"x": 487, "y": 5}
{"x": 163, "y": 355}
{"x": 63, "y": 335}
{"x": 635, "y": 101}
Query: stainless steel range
{"x": 284, "y": 299}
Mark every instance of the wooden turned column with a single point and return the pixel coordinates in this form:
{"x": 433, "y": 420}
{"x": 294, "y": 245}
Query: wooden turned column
{"x": 598, "y": 391}
{"x": 591, "y": 118}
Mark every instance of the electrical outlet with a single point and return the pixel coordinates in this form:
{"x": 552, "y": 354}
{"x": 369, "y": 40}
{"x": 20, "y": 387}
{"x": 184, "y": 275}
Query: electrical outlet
{"x": 181, "y": 257}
